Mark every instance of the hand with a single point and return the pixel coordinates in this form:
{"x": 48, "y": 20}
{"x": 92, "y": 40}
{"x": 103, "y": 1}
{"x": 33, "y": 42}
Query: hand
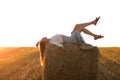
{"x": 37, "y": 44}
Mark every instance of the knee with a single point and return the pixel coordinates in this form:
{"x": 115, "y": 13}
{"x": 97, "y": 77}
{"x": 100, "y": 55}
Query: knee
{"x": 80, "y": 29}
{"x": 77, "y": 26}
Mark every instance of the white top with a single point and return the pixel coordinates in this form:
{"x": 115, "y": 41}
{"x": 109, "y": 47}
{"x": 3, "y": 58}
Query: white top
{"x": 57, "y": 40}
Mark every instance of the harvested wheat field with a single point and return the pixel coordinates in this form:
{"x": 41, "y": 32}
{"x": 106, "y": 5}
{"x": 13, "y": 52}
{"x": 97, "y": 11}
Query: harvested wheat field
{"x": 109, "y": 64}
{"x": 22, "y": 63}
{"x": 19, "y": 63}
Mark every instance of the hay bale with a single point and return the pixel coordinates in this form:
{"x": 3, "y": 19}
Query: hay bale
{"x": 71, "y": 63}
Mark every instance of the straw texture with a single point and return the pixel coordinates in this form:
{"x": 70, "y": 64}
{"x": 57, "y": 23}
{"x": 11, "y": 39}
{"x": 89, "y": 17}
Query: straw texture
{"x": 73, "y": 63}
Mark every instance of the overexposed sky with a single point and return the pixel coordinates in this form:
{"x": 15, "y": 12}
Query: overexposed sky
{"x": 24, "y": 22}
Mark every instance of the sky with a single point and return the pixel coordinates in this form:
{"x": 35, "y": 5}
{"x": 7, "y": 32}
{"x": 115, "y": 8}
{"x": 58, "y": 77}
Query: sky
{"x": 24, "y": 22}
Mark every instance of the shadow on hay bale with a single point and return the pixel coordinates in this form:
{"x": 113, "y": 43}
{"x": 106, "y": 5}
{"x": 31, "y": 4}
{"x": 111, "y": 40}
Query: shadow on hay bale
{"x": 71, "y": 63}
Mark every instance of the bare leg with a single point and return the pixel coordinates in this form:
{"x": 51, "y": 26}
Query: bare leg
{"x": 94, "y": 22}
{"x": 81, "y": 27}
{"x": 89, "y": 33}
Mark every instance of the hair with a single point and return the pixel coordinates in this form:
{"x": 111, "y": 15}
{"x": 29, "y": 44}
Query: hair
{"x": 43, "y": 43}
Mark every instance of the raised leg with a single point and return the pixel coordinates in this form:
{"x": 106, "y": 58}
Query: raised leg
{"x": 90, "y": 33}
{"x": 94, "y": 22}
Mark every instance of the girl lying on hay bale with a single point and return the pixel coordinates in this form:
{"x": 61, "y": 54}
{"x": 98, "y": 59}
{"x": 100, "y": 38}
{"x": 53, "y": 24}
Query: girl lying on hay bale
{"x": 75, "y": 37}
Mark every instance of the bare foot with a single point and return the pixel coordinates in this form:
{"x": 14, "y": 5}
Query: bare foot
{"x": 98, "y": 37}
{"x": 96, "y": 20}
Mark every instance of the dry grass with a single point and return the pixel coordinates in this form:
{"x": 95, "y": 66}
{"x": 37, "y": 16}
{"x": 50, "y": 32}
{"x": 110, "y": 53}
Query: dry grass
{"x": 109, "y": 63}
{"x": 19, "y": 64}
{"x": 111, "y": 53}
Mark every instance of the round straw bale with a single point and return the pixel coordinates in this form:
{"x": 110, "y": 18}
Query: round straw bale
{"x": 71, "y": 63}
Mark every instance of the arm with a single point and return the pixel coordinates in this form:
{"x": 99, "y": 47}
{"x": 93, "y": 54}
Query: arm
{"x": 38, "y": 44}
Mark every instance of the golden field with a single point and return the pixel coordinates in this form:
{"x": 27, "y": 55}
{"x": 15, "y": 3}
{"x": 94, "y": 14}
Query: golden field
{"x": 23, "y": 63}
{"x": 109, "y": 64}
{"x": 19, "y": 63}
